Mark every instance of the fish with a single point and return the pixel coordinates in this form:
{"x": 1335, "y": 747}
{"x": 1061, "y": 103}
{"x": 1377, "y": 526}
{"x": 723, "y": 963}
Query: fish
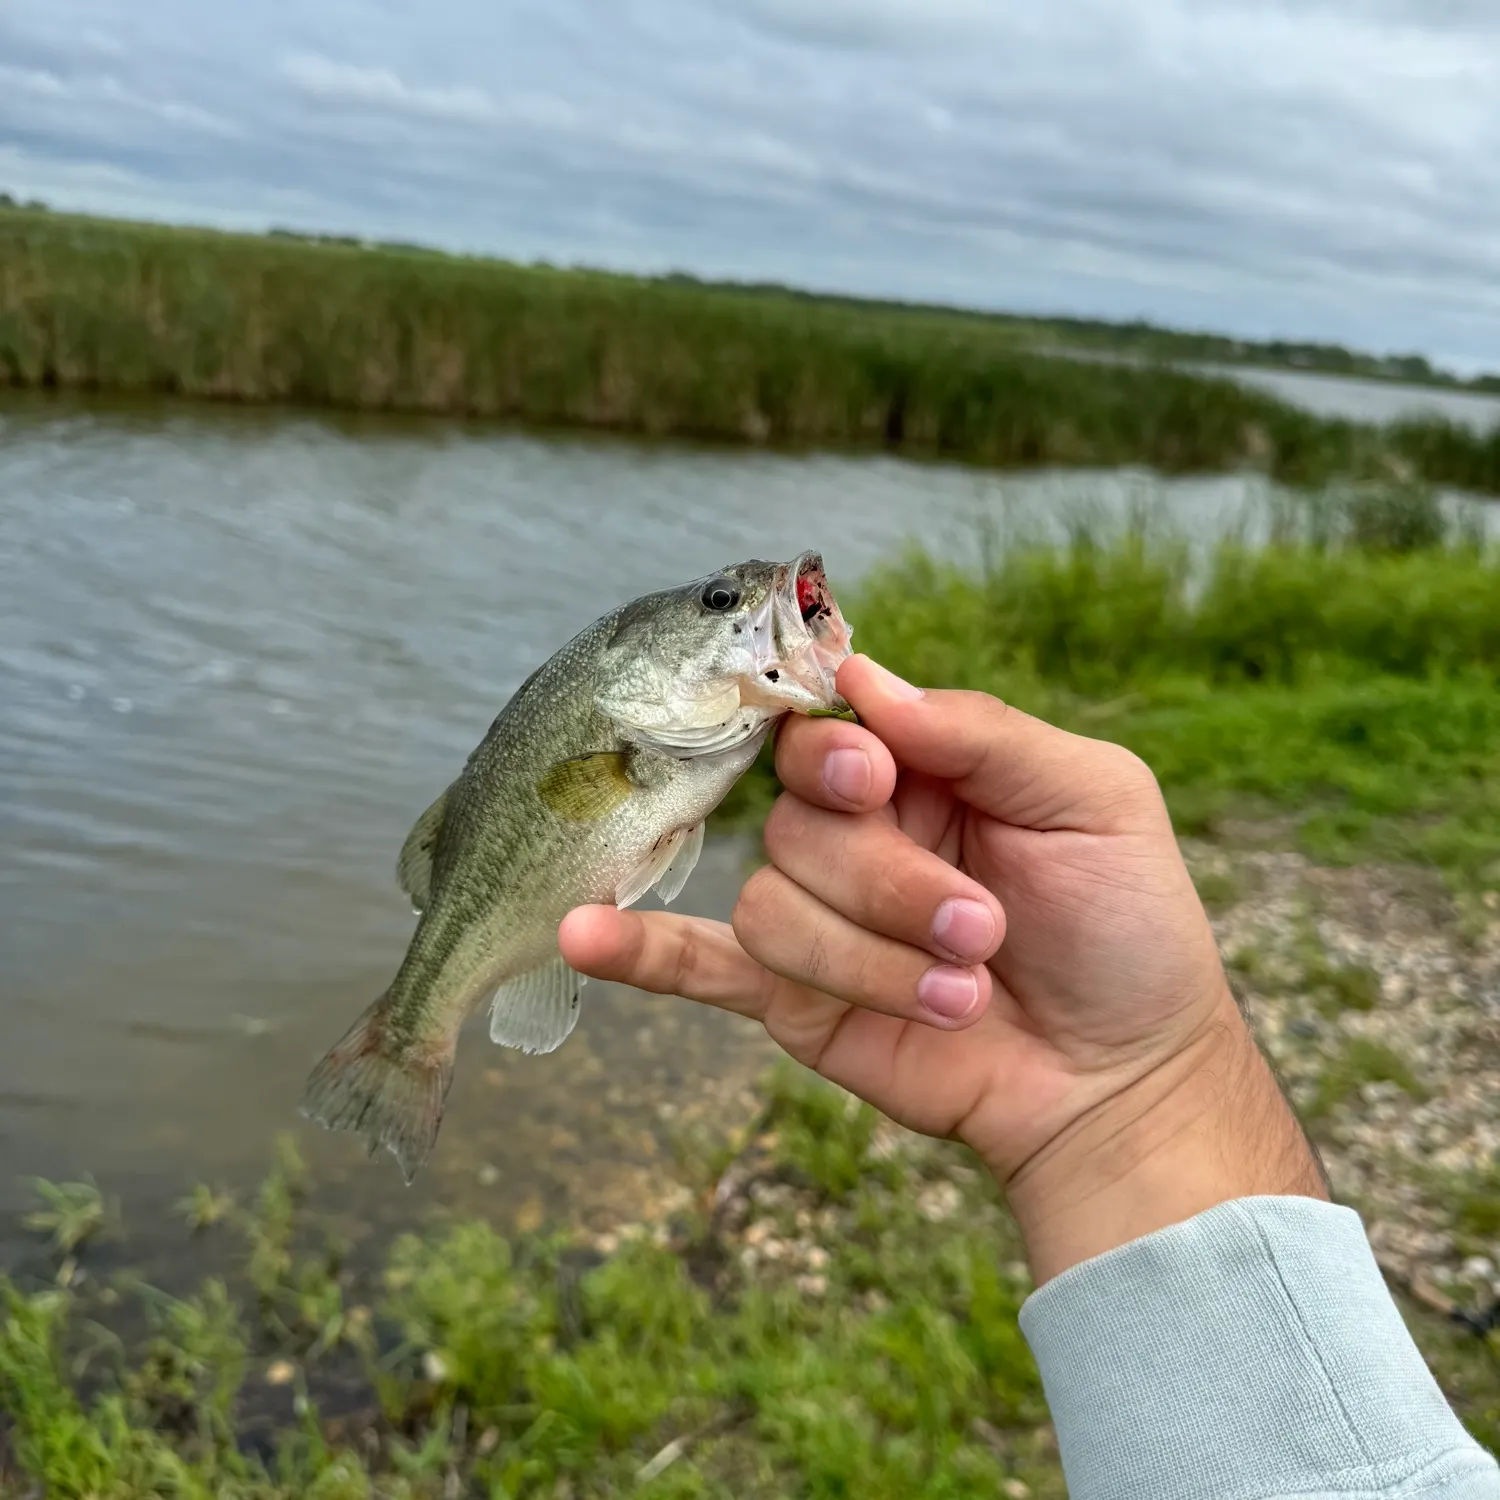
{"x": 591, "y": 786}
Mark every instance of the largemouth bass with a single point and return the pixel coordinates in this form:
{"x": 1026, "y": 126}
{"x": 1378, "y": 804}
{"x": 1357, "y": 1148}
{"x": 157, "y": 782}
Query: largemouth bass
{"x": 592, "y": 785}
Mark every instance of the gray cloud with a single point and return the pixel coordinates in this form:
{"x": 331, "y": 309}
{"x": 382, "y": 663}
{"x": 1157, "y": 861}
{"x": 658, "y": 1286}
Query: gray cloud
{"x": 1319, "y": 168}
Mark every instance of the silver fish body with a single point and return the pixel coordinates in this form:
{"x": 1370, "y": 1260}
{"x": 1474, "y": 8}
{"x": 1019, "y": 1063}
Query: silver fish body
{"x": 592, "y": 785}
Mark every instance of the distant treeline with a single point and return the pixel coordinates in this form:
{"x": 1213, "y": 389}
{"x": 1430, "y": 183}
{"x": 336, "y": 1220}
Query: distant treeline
{"x": 98, "y": 305}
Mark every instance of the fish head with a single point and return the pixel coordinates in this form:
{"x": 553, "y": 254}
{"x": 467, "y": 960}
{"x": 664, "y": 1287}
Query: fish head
{"x": 793, "y": 638}
{"x": 703, "y": 667}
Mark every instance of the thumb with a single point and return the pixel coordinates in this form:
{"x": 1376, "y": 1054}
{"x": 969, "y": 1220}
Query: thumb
{"x": 1006, "y": 763}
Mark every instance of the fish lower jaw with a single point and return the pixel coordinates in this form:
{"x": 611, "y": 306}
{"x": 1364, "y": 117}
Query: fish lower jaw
{"x": 790, "y": 687}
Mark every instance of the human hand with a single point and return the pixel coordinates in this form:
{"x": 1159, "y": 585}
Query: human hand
{"x": 983, "y": 925}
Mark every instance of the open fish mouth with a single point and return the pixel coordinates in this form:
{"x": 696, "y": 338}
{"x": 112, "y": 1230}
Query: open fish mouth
{"x": 798, "y": 640}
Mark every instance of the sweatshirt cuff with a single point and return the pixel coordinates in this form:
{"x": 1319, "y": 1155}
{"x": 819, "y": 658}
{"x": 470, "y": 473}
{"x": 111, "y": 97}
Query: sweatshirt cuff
{"x": 1252, "y": 1351}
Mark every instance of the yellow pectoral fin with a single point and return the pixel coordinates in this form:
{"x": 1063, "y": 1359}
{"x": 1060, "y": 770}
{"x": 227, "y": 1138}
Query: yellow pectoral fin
{"x": 586, "y": 787}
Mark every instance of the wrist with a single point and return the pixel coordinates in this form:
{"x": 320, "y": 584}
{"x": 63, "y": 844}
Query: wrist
{"x": 1206, "y": 1125}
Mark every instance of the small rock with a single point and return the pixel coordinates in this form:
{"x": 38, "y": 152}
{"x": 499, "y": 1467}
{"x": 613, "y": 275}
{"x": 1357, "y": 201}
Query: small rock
{"x": 759, "y": 1232}
{"x": 434, "y": 1367}
{"x": 816, "y": 1258}
{"x": 1480, "y": 1267}
{"x": 489, "y": 1175}
{"x": 280, "y": 1372}
{"x": 1015, "y": 1489}
{"x": 939, "y": 1202}
{"x": 812, "y": 1286}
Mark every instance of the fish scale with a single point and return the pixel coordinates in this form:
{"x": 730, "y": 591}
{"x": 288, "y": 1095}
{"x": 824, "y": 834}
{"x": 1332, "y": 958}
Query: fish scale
{"x": 592, "y": 785}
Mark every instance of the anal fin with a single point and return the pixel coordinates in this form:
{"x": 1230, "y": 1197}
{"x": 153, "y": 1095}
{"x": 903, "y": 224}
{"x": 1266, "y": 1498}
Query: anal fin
{"x": 536, "y": 1011}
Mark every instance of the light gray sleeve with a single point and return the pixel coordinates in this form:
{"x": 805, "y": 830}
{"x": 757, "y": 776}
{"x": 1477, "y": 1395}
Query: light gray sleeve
{"x": 1251, "y": 1353}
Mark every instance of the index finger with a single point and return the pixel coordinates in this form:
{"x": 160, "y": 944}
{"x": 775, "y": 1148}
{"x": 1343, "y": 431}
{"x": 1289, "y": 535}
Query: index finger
{"x": 834, "y": 764}
{"x": 1018, "y": 769}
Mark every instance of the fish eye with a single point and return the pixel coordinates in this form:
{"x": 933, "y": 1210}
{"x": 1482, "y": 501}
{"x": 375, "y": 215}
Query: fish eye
{"x": 720, "y": 594}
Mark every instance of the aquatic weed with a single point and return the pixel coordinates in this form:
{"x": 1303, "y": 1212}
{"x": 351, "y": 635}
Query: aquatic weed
{"x": 72, "y": 1213}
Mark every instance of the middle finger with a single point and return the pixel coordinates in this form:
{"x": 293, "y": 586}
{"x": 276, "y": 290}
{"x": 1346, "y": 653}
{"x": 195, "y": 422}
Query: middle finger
{"x": 871, "y": 872}
{"x": 795, "y": 935}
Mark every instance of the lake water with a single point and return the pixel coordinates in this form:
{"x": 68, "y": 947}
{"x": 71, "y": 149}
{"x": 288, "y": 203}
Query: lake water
{"x": 1368, "y": 400}
{"x": 239, "y": 651}
{"x": 1351, "y": 398}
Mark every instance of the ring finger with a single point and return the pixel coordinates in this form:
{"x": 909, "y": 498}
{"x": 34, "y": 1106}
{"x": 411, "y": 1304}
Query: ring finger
{"x": 794, "y": 934}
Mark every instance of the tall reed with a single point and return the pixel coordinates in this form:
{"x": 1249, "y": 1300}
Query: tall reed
{"x": 97, "y": 305}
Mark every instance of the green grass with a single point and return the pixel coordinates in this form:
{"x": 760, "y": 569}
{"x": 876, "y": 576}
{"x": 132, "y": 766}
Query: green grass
{"x": 99, "y": 305}
{"x": 1333, "y": 679}
{"x": 1360, "y": 1061}
{"x": 534, "y": 1368}
{"x": 531, "y": 1368}
{"x": 1476, "y": 1204}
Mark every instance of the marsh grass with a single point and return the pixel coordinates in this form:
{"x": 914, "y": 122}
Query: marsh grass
{"x": 91, "y": 304}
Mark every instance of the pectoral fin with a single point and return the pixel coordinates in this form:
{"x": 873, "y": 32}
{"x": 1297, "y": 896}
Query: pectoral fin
{"x": 586, "y": 787}
{"x": 414, "y": 866}
{"x": 536, "y": 1012}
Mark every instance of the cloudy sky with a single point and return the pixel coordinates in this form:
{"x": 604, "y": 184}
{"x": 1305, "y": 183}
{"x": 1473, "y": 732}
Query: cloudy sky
{"x": 1308, "y": 168}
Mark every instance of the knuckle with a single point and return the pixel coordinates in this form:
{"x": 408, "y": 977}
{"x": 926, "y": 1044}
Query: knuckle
{"x": 685, "y": 966}
{"x": 817, "y": 957}
{"x": 784, "y": 823}
{"x": 864, "y": 976}
{"x": 1128, "y": 771}
{"x": 886, "y": 892}
{"x": 752, "y": 910}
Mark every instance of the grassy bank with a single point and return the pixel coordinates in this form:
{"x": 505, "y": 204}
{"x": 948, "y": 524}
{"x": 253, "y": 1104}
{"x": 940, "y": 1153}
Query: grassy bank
{"x": 833, "y": 1313}
{"x": 1343, "y": 679}
{"x": 89, "y": 304}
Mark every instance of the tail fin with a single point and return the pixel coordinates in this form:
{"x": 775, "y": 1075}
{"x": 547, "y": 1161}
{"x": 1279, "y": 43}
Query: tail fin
{"x": 388, "y": 1098}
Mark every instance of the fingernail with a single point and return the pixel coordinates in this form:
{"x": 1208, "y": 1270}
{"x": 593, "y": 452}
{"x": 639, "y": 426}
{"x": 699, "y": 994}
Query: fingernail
{"x": 966, "y": 929}
{"x": 948, "y": 992}
{"x": 897, "y": 687}
{"x": 847, "y": 774}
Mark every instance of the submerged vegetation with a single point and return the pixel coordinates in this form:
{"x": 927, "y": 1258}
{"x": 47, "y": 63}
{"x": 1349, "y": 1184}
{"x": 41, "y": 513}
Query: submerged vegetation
{"x": 97, "y": 305}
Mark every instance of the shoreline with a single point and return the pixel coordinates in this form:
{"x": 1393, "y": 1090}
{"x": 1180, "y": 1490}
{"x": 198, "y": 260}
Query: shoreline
{"x": 92, "y": 305}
